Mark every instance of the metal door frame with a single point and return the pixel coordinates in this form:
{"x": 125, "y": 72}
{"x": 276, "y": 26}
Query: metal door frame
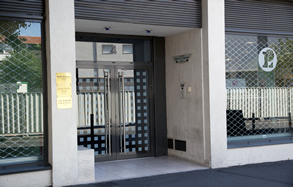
{"x": 114, "y": 66}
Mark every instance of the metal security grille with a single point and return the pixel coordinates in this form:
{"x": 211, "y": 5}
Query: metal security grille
{"x": 259, "y": 82}
{"x": 30, "y": 9}
{"x": 265, "y": 16}
{"x": 21, "y": 98}
{"x": 184, "y": 13}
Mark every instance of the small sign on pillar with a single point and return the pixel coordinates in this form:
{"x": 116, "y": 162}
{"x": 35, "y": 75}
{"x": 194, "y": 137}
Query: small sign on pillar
{"x": 64, "y": 90}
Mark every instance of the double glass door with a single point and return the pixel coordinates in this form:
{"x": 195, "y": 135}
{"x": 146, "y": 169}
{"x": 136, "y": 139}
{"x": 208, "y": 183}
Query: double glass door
{"x": 114, "y": 111}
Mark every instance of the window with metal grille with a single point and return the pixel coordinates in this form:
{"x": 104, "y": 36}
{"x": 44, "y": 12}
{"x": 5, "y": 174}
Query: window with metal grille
{"x": 259, "y": 85}
{"x": 21, "y": 95}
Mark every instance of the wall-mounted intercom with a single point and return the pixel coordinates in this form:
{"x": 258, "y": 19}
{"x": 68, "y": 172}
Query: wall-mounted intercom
{"x": 182, "y": 90}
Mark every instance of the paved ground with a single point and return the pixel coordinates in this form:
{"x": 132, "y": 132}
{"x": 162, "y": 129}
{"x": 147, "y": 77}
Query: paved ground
{"x": 268, "y": 174}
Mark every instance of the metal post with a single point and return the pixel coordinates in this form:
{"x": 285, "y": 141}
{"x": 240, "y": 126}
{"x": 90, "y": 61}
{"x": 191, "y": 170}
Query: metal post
{"x": 253, "y": 121}
{"x": 92, "y": 131}
{"x": 290, "y": 121}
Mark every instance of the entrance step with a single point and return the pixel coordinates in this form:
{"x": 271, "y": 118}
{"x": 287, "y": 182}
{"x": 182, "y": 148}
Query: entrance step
{"x": 143, "y": 167}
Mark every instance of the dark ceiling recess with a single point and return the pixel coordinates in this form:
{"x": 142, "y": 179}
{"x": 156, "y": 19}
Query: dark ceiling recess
{"x": 184, "y": 13}
{"x": 28, "y": 9}
{"x": 262, "y": 16}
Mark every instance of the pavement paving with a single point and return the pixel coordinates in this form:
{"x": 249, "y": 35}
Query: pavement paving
{"x": 273, "y": 174}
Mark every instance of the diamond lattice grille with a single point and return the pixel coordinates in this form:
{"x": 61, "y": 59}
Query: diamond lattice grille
{"x": 259, "y": 81}
{"x": 21, "y": 98}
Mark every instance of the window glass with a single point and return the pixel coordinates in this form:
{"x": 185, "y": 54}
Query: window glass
{"x": 21, "y": 95}
{"x": 108, "y": 49}
{"x": 259, "y": 83}
{"x": 127, "y": 49}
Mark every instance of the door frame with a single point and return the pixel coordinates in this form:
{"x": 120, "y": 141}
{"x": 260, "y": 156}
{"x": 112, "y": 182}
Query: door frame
{"x": 114, "y": 66}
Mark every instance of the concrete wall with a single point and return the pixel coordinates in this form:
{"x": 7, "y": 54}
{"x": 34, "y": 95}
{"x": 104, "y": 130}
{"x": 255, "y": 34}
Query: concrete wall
{"x": 32, "y": 179}
{"x": 84, "y": 51}
{"x": 86, "y": 165}
{"x": 185, "y": 115}
{"x": 60, "y": 46}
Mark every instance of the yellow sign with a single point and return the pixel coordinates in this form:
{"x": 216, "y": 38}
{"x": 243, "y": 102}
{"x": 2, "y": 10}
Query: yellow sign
{"x": 64, "y": 91}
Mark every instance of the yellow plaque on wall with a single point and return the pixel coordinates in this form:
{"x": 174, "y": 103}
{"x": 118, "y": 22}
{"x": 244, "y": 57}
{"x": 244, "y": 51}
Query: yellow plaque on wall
{"x": 64, "y": 90}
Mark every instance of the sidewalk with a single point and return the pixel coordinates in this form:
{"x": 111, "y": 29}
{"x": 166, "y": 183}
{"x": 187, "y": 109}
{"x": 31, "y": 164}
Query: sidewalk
{"x": 267, "y": 174}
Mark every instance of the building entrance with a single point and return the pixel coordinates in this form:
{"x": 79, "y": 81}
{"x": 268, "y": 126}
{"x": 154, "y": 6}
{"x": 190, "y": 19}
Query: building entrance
{"x": 114, "y": 109}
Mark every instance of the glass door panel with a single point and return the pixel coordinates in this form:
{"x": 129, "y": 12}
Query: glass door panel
{"x": 113, "y": 111}
{"x": 94, "y": 99}
{"x": 133, "y": 111}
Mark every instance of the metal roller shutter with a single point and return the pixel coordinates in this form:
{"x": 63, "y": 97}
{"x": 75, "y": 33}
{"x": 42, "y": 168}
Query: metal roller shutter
{"x": 263, "y": 16}
{"x": 28, "y": 9}
{"x": 185, "y": 13}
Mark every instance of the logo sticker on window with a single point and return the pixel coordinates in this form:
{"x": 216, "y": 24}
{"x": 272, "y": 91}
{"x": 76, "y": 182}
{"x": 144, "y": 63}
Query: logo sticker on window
{"x": 267, "y": 59}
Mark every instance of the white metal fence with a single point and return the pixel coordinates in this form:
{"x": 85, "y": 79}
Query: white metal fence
{"x": 263, "y": 102}
{"x": 94, "y": 103}
{"x": 21, "y": 113}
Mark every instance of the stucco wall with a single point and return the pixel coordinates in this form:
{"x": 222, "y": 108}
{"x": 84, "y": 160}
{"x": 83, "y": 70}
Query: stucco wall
{"x": 185, "y": 115}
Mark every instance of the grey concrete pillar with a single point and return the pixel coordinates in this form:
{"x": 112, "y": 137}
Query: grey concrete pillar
{"x": 60, "y": 46}
{"x": 213, "y": 36}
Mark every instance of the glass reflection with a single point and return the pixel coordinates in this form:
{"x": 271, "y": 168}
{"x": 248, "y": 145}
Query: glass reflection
{"x": 21, "y": 97}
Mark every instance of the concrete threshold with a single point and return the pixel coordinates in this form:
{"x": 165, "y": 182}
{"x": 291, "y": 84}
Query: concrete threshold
{"x": 142, "y": 167}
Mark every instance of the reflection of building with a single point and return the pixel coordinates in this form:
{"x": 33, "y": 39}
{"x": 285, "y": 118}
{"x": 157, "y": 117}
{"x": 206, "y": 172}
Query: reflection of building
{"x": 104, "y": 51}
{"x": 4, "y": 51}
{"x": 33, "y": 43}
{"x": 159, "y": 107}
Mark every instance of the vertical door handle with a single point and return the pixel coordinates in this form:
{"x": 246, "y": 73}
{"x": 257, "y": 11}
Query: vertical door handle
{"x": 122, "y": 108}
{"x": 107, "y": 100}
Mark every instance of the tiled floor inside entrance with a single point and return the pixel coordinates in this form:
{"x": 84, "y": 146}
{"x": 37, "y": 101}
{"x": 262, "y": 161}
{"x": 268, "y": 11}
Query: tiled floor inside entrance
{"x": 143, "y": 167}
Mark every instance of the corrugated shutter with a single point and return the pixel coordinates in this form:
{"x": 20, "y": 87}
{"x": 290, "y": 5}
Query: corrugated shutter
{"x": 265, "y": 16}
{"x": 28, "y": 9}
{"x": 185, "y": 13}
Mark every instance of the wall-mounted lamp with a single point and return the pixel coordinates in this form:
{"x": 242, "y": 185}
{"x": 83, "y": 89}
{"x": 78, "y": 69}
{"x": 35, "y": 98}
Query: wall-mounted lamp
{"x": 148, "y": 31}
{"x": 107, "y": 28}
